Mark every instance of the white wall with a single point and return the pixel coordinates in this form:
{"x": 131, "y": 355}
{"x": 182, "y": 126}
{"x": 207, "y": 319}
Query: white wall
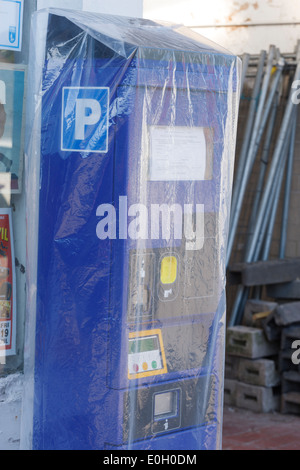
{"x": 70, "y": 4}
{"x": 113, "y": 7}
{"x": 240, "y": 26}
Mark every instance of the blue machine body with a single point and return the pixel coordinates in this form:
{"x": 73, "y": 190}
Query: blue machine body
{"x": 108, "y": 307}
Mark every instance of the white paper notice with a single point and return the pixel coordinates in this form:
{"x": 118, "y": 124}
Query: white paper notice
{"x": 177, "y": 153}
{"x": 11, "y": 19}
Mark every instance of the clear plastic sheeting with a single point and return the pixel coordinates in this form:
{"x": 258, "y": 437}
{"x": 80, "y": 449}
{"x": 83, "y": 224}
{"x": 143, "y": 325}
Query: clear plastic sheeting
{"x": 129, "y": 160}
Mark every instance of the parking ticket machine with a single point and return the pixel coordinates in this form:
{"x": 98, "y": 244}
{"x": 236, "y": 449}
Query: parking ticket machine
{"x": 130, "y": 171}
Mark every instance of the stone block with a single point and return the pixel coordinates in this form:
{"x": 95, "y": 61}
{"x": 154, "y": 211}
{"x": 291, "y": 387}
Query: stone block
{"x": 246, "y": 341}
{"x": 257, "y": 398}
{"x": 286, "y": 314}
{"x": 286, "y": 290}
{"x": 256, "y": 311}
{"x": 261, "y": 273}
{"x": 260, "y": 372}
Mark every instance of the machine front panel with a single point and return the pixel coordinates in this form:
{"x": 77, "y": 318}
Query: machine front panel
{"x": 130, "y": 278}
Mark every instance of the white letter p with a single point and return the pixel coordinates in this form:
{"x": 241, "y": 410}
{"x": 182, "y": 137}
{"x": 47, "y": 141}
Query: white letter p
{"x": 83, "y": 118}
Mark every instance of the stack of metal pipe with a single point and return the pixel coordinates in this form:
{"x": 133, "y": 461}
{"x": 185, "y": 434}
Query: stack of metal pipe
{"x": 268, "y": 145}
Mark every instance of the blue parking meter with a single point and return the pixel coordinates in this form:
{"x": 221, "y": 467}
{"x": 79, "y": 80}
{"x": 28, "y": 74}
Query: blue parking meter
{"x": 132, "y": 175}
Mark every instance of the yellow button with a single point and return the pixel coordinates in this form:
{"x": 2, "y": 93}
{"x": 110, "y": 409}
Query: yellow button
{"x": 168, "y": 270}
{"x": 145, "y": 366}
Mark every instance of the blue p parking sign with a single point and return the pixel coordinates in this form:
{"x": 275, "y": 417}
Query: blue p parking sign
{"x": 85, "y": 119}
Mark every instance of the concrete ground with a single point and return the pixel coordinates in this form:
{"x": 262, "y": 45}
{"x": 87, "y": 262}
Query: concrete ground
{"x": 246, "y": 430}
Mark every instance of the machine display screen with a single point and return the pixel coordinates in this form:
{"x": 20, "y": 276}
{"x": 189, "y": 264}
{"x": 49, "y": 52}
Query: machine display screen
{"x": 138, "y": 345}
{"x": 163, "y": 403}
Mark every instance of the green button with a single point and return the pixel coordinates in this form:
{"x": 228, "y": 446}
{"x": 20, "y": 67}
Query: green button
{"x": 154, "y": 364}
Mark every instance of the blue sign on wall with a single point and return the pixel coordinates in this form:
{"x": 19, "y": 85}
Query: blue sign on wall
{"x": 11, "y": 14}
{"x": 85, "y": 119}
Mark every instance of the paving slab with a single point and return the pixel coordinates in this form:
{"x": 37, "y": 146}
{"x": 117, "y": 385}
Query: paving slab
{"x": 249, "y": 430}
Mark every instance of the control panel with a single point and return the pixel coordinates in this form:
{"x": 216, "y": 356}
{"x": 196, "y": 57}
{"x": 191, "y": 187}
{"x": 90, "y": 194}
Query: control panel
{"x": 146, "y": 354}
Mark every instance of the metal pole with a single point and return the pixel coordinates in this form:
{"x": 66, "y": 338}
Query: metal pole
{"x": 268, "y": 236}
{"x": 263, "y": 168}
{"x": 266, "y": 112}
{"x": 266, "y": 227}
{"x": 289, "y": 172}
{"x": 245, "y": 62}
{"x": 273, "y": 168}
{"x": 275, "y": 200}
{"x": 288, "y": 181}
{"x": 271, "y": 202}
{"x": 254, "y": 143}
{"x": 247, "y": 133}
{"x": 256, "y": 139}
{"x": 237, "y": 309}
{"x": 262, "y": 222}
{"x": 243, "y": 292}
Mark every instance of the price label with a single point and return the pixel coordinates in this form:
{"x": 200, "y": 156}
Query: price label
{"x": 7, "y": 286}
{"x": 5, "y": 336}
